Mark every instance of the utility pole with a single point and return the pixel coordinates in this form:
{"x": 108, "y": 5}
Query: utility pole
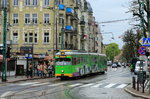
{"x": 4, "y": 65}
{"x": 142, "y": 16}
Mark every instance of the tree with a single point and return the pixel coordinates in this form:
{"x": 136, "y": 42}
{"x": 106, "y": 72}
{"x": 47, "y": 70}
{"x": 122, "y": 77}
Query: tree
{"x": 112, "y": 50}
{"x": 137, "y": 10}
{"x": 131, "y": 46}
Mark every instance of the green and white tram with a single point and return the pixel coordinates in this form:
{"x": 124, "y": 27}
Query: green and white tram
{"x": 69, "y": 63}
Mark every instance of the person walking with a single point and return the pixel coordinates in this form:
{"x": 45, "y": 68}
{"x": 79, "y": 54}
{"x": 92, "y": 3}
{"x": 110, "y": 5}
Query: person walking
{"x": 30, "y": 70}
{"x": 41, "y": 70}
{"x": 38, "y": 69}
{"x": 45, "y": 69}
{"x": 131, "y": 68}
{"x": 50, "y": 70}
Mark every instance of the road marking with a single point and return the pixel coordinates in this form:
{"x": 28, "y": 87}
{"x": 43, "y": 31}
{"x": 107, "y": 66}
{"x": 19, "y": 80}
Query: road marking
{"x": 30, "y": 83}
{"x": 8, "y": 93}
{"x": 121, "y": 86}
{"x": 56, "y": 84}
{"x": 74, "y": 85}
{"x": 110, "y": 85}
{"x": 87, "y": 85}
{"x": 97, "y": 85}
{"x": 40, "y": 84}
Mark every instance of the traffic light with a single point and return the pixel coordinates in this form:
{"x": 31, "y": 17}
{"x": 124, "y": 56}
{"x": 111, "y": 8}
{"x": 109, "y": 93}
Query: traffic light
{"x": 8, "y": 52}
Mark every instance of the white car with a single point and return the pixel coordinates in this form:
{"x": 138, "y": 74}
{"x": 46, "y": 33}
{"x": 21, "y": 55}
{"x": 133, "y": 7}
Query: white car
{"x": 114, "y": 65}
{"x": 138, "y": 67}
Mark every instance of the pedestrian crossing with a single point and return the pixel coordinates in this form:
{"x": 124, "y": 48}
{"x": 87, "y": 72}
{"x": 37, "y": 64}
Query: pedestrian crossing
{"x": 81, "y": 85}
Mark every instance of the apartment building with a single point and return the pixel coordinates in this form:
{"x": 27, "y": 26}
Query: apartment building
{"x": 46, "y": 26}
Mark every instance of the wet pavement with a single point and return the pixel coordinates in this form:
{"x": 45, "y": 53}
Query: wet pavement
{"x": 101, "y": 86}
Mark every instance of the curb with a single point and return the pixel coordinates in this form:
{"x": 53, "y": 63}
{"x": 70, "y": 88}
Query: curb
{"x": 22, "y": 80}
{"x": 135, "y": 94}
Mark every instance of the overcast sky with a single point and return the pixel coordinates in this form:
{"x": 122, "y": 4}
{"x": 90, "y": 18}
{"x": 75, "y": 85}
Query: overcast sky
{"x": 108, "y": 10}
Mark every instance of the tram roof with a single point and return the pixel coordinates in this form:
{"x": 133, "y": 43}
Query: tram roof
{"x": 79, "y": 53}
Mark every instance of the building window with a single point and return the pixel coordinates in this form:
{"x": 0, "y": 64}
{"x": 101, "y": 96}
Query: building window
{"x": 0, "y": 19}
{"x": 15, "y": 2}
{"x": 59, "y": 38}
{"x": 46, "y": 2}
{"x": 27, "y": 2}
{"x": 26, "y": 37}
{"x": 15, "y": 18}
{"x": 30, "y": 38}
{"x": 27, "y": 18}
{"x": 34, "y": 2}
{"x": 61, "y": 19}
{"x": 46, "y": 18}
{"x": 35, "y": 37}
{"x": 46, "y": 37}
{"x": 15, "y": 37}
{"x": 34, "y": 18}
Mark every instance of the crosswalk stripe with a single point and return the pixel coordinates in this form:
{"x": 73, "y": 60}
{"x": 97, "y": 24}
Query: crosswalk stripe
{"x": 97, "y": 85}
{"x": 121, "y": 86}
{"x": 40, "y": 84}
{"x": 56, "y": 84}
{"x": 109, "y": 85}
{"x": 30, "y": 83}
{"x": 87, "y": 85}
{"x": 75, "y": 85}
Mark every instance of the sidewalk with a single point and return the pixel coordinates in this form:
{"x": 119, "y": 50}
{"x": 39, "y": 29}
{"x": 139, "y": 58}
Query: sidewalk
{"x": 14, "y": 79}
{"x": 139, "y": 93}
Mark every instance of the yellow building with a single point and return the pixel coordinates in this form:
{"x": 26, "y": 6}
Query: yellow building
{"x": 31, "y": 25}
{"x": 45, "y": 26}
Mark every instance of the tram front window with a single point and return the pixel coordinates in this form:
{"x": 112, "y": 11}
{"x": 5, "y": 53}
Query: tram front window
{"x": 63, "y": 61}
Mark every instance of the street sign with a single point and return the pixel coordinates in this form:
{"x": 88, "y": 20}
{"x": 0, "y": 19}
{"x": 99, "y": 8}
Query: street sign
{"x": 141, "y": 50}
{"x": 145, "y": 41}
{"x": 29, "y": 56}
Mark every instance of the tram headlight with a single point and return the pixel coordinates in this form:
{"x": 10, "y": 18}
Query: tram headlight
{"x": 62, "y": 71}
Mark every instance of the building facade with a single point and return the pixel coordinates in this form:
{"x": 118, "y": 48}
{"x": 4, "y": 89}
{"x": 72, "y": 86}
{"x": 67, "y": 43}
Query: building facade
{"x": 42, "y": 27}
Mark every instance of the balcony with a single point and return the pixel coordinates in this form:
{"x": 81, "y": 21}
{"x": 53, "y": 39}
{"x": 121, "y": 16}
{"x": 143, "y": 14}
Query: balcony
{"x": 61, "y": 7}
{"x": 68, "y": 28}
{"x": 69, "y": 11}
{"x": 75, "y": 16}
{"x": 82, "y": 22}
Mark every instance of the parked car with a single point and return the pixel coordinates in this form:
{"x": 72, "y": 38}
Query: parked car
{"x": 114, "y": 65}
{"x": 138, "y": 67}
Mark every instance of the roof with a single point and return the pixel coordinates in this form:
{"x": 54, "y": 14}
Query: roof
{"x": 78, "y": 53}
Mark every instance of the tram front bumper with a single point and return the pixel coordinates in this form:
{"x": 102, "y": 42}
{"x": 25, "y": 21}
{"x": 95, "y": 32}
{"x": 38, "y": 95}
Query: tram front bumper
{"x": 63, "y": 75}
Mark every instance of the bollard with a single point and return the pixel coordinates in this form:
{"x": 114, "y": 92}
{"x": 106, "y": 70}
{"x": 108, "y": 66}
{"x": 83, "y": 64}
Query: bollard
{"x": 133, "y": 82}
{"x": 143, "y": 86}
{"x": 137, "y": 84}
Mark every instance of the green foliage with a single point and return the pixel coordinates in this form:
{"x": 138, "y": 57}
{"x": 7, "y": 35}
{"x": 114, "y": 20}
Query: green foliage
{"x": 112, "y": 50}
{"x": 130, "y": 49}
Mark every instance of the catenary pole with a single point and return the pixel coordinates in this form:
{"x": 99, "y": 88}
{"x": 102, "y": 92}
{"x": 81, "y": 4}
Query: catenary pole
{"x": 4, "y": 65}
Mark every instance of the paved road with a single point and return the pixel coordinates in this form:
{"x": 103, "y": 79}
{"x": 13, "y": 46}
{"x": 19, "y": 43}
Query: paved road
{"x": 108, "y": 86}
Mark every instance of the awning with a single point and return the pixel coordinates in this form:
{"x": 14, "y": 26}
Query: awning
{"x": 48, "y": 58}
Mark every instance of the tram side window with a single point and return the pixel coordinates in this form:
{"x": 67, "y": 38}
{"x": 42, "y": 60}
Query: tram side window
{"x": 74, "y": 61}
{"x": 63, "y": 61}
{"x": 78, "y": 61}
